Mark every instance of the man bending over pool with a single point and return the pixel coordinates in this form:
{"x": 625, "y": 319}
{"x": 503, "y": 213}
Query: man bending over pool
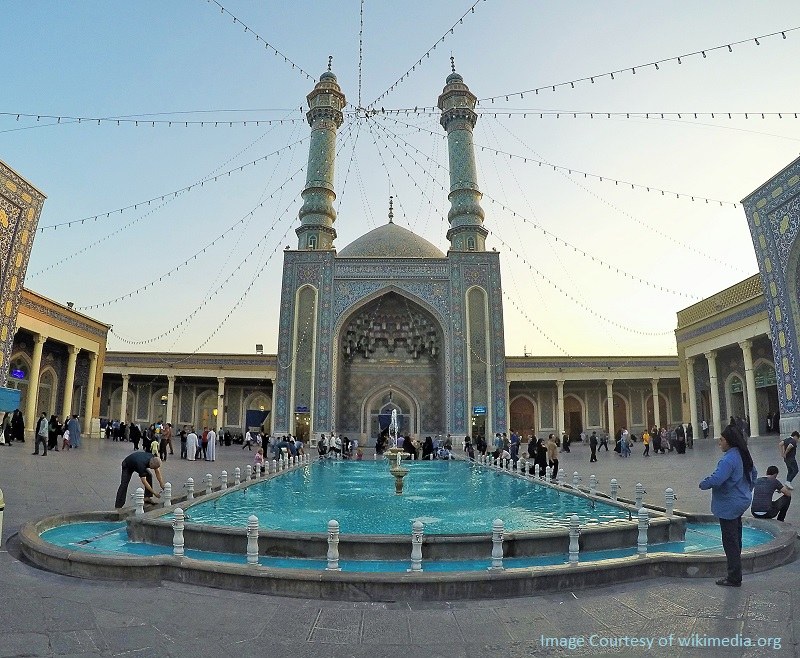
{"x": 139, "y": 462}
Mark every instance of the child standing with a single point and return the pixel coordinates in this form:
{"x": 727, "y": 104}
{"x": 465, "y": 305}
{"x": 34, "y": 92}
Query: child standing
{"x": 259, "y": 459}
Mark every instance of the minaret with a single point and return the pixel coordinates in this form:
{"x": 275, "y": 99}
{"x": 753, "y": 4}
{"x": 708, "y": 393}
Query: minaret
{"x": 324, "y": 115}
{"x": 457, "y": 104}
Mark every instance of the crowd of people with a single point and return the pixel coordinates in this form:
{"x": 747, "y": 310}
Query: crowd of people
{"x": 49, "y": 433}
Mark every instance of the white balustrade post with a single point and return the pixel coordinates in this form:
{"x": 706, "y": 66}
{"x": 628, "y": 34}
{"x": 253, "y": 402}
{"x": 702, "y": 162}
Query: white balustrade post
{"x": 138, "y": 501}
{"x": 644, "y": 523}
{"x": 189, "y": 486}
{"x": 614, "y": 488}
{"x": 252, "y": 539}
{"x": 416, "y": 546}
{"x": 166, "y": 495}
{"x": 223, "y": 479}
{"x": 177, "y": 534}
{"x": 576, "y": 479}
{"x": 497, "y": 545}
{"x": 669, "y": 500}
{"x": 333, "y": 546}
{"x": 593, "y": 484}
{"x": 237, "y": 476}
{"x": 209, "y": 480}
{"x": 248, "y": 473}
{"x": 273, "y": 466}
{"x": 562, "y": 476}
{"x": 522, "y": 466}
{"x": 548, "y": 473}
{"x": 640, "y": 492}
{"x": 574, "y": 533}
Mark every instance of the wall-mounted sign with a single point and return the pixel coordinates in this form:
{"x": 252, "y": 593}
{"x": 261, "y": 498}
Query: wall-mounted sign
{"x": 302, "y": 410}
{"x": 479, "y": 411}
{"x": 18, "y": 374}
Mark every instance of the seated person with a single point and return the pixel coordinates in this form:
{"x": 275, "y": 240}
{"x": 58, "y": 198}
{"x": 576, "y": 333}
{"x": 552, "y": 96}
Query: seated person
{"x": 444, "y": 453}
{"x": 409, "y": 447}
{"x": 763, "y": 506}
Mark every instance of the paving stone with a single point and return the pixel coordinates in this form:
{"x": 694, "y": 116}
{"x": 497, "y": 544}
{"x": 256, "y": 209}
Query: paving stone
{"x": 24, "y": 644}
{"x": 78, "y": 642}
{"x": 385, "y": 627}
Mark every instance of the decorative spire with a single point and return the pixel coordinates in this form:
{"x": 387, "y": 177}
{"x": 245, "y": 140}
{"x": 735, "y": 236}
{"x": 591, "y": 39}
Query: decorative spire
{"x": 457, "y": 104}
{"x": 452, "y": 63}
{"x": 317, "y": 214}
{"x": 391, "y": 214}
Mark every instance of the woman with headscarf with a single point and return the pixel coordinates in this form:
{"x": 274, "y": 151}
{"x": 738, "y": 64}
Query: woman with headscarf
{"x": 547, "y": 455}
{"x": 731, "y": 487}
{"x": 427, "y": 448}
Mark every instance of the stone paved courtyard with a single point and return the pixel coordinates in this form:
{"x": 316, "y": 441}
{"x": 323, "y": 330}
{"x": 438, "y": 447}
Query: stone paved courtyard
{"x": 44, "y": 614}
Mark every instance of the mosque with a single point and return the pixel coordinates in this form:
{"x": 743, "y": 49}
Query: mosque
{"x": 390, "y": 322}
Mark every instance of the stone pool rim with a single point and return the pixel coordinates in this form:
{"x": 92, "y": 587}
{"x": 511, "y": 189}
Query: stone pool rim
{"x": 392, "y": 586}
{"x": 152, "y": 527}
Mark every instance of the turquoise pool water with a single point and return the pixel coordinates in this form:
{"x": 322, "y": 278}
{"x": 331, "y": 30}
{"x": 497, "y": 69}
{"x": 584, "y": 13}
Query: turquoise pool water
{"x": 112, "y": 539}
{"x": 449, "y": 497}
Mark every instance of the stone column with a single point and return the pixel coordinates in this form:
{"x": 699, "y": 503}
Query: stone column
{"x": 560, "y": 408}
{"x": 170, "y": 398}
{"x": 220, "y": 403}
{"x": 656, "y": 405}
{"x": 692, "y": 397}
{"x": 33, "y": 383}
{"x": 271, "y": 428}
{"x": 88, "y": 414}
{"x": 69, "y": 382}
{"x": 750, "y": 383}
{"x": 508, "y": 408}
{"x": 123, "y": 406}
{"x": 610, "y": 406}
{"x": 711, "y": 357}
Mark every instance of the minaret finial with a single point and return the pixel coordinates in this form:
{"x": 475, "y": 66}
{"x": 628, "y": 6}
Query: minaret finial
{"x": 391, "y": 214}
{"x": 330, "y": 61}
{"x": 452, "y": 63}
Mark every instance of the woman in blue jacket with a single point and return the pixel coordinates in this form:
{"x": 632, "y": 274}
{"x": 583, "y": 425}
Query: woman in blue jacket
{"x": 731, "y": 487}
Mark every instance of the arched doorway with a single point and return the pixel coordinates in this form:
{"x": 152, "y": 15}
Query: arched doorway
{"x": 47, "y": 392}
{"x": 620, "y": 415}
{"x": 378, "y": 413}
{"x": 523, "y": 415}
{"x": 390, "y": 344}
{"x": 766, "y": 393}
{"x": 734, "y": 397}
{"x": 205, "y": 405}
{"x": 663, "y": 419}
{"x": 115, "y": 405}
{"x": 19, "y": 376}
{"x": 257, "y": 409}
{"x": 573, "y": 417}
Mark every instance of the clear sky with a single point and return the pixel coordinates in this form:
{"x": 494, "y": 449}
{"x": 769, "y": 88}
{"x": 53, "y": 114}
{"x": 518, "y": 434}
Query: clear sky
{"x": 590, "y": 267}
